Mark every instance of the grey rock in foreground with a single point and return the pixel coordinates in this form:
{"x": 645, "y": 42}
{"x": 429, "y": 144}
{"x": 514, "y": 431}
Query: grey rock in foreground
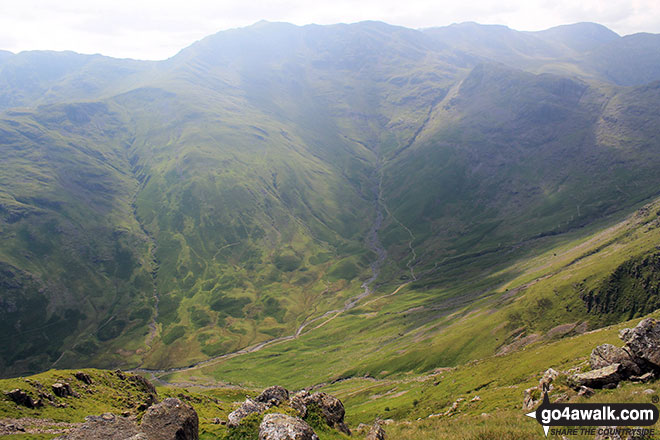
{"x": 606, "y": 377}
{"x": 643, "y": 342}
{"x": 608, "y": 354}
{"x": 248, "y": 407}
{"x": 273, "y": 396}
{"x": 331, "y": 408}
{"x": 282, "y": 427}
{"x": 170, "y": 420}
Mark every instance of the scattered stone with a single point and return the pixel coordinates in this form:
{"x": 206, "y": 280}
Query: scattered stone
{"x": 585, "y": 392}
{"x": 63, "y": 390}
{"x": 248, "y": 407}
{"x": 83, "y": 377}
{"x": 282, "y": 427}
{"x": 607, "y": 354}
{"x": 563, "y": 397}
{"x": 273, "y": 396}
{"x": 376, "y": 432}
{"x": 22, "y": 398}
{"x": 10, "y": 428}
{"x": 120, "y": 374}
{"x": 388, "y": 422}
{"x": 170, "y": 420}
{"x": 476, "y": 399}
{"x": 643, "y": 342}
{"x": 600, "y": 378}
{"x": 106, "y": 426}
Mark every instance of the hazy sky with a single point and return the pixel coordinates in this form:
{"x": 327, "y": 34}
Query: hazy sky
{"x": 158, "y": 29}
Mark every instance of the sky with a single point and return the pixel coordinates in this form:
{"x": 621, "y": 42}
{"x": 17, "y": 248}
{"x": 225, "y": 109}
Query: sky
{"x": 158, "y": 29}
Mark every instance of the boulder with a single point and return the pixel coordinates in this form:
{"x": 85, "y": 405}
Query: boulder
{"x": 273, "y": 396}
{"x": 63, "y": 390}
{"x": 170, "y": 420}
{"x": 376, "y": 432}
{"x": 297, "y": 402}
{"x": 643, "y": 343}
{"x": 106, "y": 426}
{"x": 331, "y": 408}
{"x": 83, "y": 377}
{"x": 605, "y": 377}
{"x": 608, "y": 354}
{"x": 282, "y": 427}
{"x": 22, "y": 398}
{"x": 248, "y": 407}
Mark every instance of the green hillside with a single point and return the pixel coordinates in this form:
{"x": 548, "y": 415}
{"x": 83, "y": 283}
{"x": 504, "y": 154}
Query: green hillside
{"x": 269, "y": 184}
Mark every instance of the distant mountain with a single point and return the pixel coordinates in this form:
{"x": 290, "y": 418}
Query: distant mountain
{"x": 579, "y": 37}
{"x": 587, "y": 50}
{"x": 265, "y": 178}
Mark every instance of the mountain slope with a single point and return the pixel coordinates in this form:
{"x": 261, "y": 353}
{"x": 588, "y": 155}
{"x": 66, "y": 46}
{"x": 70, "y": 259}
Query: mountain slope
{"x": 266, "y": 179}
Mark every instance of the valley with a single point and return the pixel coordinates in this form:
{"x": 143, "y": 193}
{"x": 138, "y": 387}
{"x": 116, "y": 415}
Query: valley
{"x": 399, "y": 217}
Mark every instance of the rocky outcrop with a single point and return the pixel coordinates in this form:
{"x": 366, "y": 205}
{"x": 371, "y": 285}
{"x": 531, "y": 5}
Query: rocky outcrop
{"x": 248, "y": 407}
{"x": 170, "y": 420}
{"x": 606, "y": 377}
{"x": 548, "y": 377}
{"x": 376, "y": 432}
{"x": 643, "y": 343}
{"x": 638, "y": 360}
{"x": 273, "y": 396}
{"x": 608, "y": 354}
{"x": 143, "y": 384}
{"x": 63, "y": 390}
{"x": 22, "y": 398}
{"x": 282, "y": 427}
{"x": 545, "y": 384}
{"x": 83, "y": 377}
{"x": 331, "y": 408}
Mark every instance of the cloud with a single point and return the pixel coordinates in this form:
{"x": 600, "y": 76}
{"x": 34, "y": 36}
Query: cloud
{"x": 157, "y": 29}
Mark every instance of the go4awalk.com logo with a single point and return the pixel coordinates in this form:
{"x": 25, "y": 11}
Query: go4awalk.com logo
{"x": 588, "y": 416}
